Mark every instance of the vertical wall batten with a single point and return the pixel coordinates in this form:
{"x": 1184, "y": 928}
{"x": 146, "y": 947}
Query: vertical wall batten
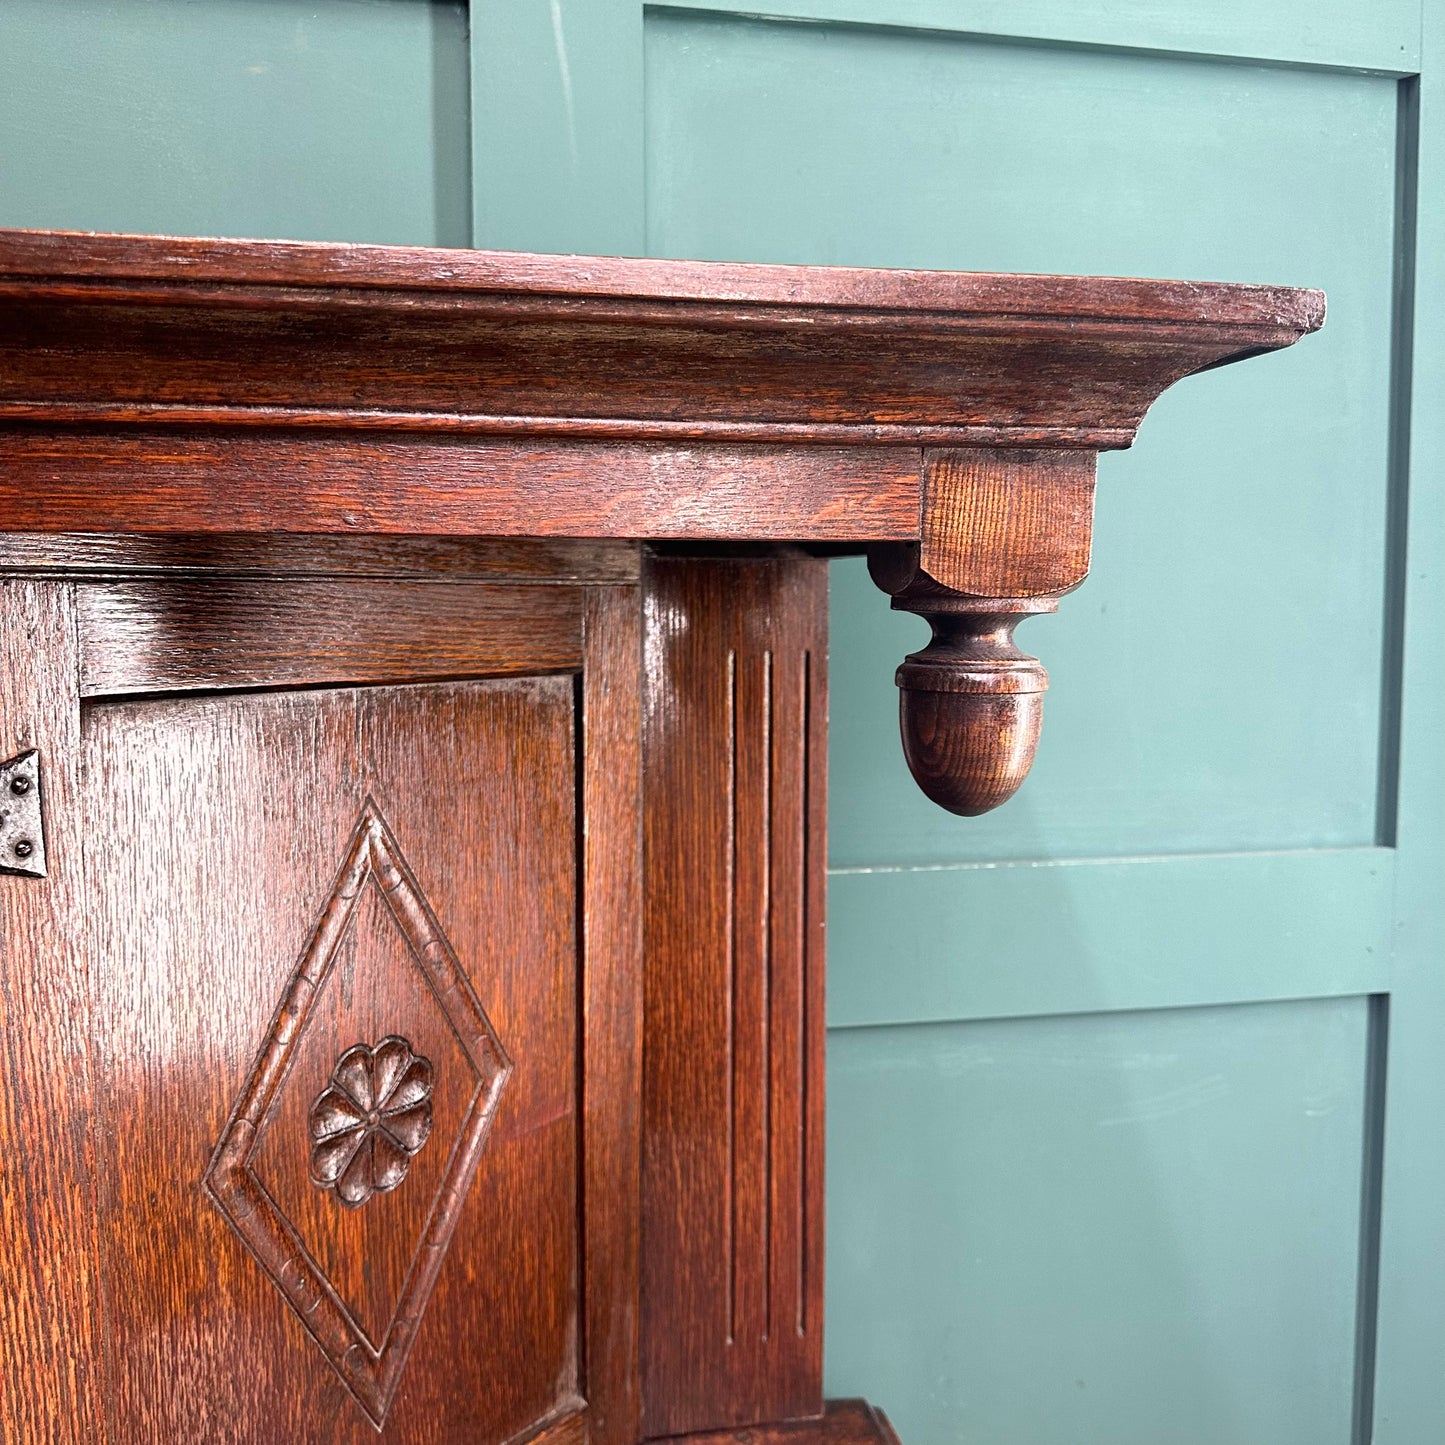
{"x": 557, "y": 125}
{"x": 1409, "y": 1405}
{"x": 1402, "y": 329}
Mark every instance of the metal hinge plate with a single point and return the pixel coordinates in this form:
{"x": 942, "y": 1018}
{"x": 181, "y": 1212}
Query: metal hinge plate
{"x": 22, "y": 834}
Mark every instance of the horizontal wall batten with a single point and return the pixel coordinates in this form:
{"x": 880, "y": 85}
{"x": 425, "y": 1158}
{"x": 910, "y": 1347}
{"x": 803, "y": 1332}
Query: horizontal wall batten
{"x": 975, "y": 941}
{"x": 1372, "y": 35}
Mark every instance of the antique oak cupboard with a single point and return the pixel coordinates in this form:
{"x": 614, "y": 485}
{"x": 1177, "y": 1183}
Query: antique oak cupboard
{"x": 413, "y": 685}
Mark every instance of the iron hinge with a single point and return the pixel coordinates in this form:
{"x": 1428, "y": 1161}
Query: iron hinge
{"x": 22, "y": 833}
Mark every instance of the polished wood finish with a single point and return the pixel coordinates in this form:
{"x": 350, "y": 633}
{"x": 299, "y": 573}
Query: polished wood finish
{"x": 844, "y": 1422}
{"x": 314, "y": 482}
{"x": 612, "y": 1036}
{"x": 732, "y": 1196}
{"x": 507, "y": 559}
{"x": 226, "y": 822}
{"x": 417, "y": 1034}
{"x": 51, "y": 1340}
{"x": 1007, "y": 523}
{"x": 288, "y": 387}
{"x": 1005, "y": 535}
{"x": 173, "y": 333}
{"x": 167, "y": 635}
{"x": 357, "y": 889}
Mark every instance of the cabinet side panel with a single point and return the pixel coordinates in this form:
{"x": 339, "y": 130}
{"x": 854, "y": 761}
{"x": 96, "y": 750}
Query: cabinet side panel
{"x": 50, "y": 1368}
{"x": 732, "y": 1153}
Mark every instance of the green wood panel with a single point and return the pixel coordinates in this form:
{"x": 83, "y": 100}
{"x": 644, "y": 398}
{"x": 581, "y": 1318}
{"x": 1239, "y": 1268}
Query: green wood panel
{"x": 330, "y": 120}
{"x": 1236, "y": 601}
{"x": 1118, "y": 1227}
{"x": 1368, "y": 34}
{"x": 557, "y": 125}
{"x": 1131, "y": 1229}
{"x": 908, "y": 945}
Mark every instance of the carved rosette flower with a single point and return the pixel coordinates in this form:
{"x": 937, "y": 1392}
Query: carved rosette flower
{"x": 371, "y": 1120}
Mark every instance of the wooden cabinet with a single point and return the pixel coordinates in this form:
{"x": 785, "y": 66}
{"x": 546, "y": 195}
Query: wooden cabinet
{"x": 414, "y": 670}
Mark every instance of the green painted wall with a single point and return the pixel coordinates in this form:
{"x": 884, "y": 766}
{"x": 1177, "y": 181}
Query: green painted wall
{"x": 328, "y": 120}
{"x": 1134, "y": 1084}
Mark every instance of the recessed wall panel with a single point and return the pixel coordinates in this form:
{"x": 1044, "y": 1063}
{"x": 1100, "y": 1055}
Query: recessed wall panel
{"x": 325, "y": 120}
{"x": 1123, "y": 1229}
{"x": 1217, "y": 682}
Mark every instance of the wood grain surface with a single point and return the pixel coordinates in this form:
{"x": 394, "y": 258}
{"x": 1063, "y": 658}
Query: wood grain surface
{"x": 613, "y": 1040}
{"x": 219, "y": 828}
{"x": 1007, "y": 523}
{"x": 98, "y": 260}
{"x": 51, "y": 1340}
{"x": 601, "y": 1214}
{"x": 733, "y": 1087}
{"x": 271, "y": 482}
{"x": 323, "y": 387}
{"x": 509, "y": 559}
{"x": 1005, "y": 533}
{"x": 844, "y": 1422}
{"x": 170, "y": 634}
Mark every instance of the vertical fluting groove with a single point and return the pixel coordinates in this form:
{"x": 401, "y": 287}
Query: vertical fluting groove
{"x": 765, "y": 914}
{"x": 730, "y": 1203}
{"x": 805, "y": 764}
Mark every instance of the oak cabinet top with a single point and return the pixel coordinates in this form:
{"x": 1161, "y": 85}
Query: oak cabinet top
{"x": 127, "y": 336}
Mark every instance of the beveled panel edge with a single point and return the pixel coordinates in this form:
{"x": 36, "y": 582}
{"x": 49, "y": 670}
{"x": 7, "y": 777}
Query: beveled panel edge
{"x": 843, "y": 1422}
{"x": 518, "y": 560}
{"x": 1340, "y": 38}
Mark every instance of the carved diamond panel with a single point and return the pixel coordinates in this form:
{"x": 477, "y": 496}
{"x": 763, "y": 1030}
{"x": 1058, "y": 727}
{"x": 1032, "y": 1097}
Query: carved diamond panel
{"x": 256, "y": 1155}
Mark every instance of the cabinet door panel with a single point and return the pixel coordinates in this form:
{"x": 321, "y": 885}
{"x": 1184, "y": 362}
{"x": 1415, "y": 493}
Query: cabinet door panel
{"x": 332, "y": 949}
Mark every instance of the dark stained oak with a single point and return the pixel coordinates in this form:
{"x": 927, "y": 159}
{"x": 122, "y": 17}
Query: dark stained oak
{"x": 448, "y": 873}
{"x": 358, "y": 878}
{"x": 1007, "y": 523}
{"x": 79, "y": 480}
{"x": 169, "y": 634}
{"x": 1005, "y": 534}
{"x": 273, "y": 555}
{"x": 613, "y": 1036}
{"x": 71, "y": 259}
{"x": 844, "y": 1422}
{"x": 156, "y": 385}
{"x": 732, "y": 1184}
{"x": 51, "y": 1358}
{"x": 417, "y": 1035}
{"x": 141, "y": 330}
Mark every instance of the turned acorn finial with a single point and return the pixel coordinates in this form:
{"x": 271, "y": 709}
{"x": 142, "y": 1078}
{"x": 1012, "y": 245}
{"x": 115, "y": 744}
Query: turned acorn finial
{"x": 1004, "y": 533}
{"x": 970, "y": 705}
